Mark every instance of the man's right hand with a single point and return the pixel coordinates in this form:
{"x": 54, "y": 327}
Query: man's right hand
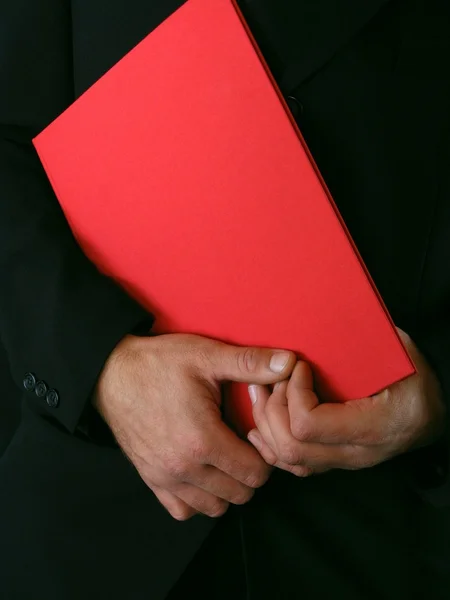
{"x": 161, "y": 398}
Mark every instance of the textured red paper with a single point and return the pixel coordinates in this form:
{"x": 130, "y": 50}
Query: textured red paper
{"x": 184, "y": 177}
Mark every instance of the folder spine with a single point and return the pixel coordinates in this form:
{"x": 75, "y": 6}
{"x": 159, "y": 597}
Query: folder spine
{"x": 316, "y": 168}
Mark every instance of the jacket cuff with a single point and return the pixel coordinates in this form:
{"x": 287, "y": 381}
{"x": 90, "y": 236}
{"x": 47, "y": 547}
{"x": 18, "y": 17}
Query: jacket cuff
{"x": 62, "y": 390}
{"x": 429, "y": 468}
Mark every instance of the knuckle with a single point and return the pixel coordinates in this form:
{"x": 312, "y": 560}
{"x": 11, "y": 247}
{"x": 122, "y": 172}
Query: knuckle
{"x": 183, "y": 514}
{"x": 302, "y": 472}
{"x": 178, "y": 469}
{"x": 289, "y": 454}
{"x": 301, "y": 429}
{"x": 200, "y": 449}
{"x": 243, "y": 497}
{"x": 270, "y": 458}
{"x": 205, "y": 503}
{"x": 257, "y": 478}
{"x": 217, "y": 509}
{"x": 247, "y": 360}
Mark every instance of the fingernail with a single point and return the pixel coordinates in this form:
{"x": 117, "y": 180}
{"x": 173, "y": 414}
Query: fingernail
{"x": 254, "y": 439}
{"x": 279, "y": 361}
{"x": 253, "y": 392}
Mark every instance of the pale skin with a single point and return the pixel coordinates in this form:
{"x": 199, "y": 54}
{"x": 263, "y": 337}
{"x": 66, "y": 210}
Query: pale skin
{"x": 161, "y": 398}
{"x": 298, "y": 434}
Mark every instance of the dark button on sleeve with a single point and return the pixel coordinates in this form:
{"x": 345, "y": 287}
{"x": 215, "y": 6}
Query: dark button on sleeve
{"x": 52, "y": 398}
{"x": 29, "y": 382}
{"x": 41, "y": 389}
{"x": 295, "y": 106}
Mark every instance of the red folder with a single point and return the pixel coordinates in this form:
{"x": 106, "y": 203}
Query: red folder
{"x": 184, "y": 177}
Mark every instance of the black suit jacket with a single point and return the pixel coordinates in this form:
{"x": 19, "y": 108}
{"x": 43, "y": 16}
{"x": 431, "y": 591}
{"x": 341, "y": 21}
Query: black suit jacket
{"x": 369, "y": 87}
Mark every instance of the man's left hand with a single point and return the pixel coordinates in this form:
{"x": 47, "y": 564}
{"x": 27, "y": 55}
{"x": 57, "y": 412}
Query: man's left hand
{"x": 297, "y": 433}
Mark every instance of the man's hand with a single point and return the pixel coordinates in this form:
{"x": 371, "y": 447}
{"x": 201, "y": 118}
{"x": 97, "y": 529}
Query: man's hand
{"x": 296, "y": 433}
{"x": 161, "y": 398}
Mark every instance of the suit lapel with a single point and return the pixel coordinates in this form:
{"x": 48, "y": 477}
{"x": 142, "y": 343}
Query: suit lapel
{"x": 300, "y": 36}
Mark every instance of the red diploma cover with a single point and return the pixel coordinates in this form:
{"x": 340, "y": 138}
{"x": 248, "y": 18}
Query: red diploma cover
{"x": 185, "y": 178}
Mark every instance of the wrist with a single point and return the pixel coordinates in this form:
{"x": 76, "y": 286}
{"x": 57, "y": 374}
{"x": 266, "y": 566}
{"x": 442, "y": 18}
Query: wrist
{"x": 114, "y": 364}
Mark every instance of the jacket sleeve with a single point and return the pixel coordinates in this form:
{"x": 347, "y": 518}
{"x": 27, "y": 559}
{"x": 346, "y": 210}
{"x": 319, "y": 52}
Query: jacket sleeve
{"x": 431, "y": 466}
{"x": 59, "y": 317}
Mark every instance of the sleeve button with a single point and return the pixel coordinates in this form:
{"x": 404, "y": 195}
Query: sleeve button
{"x": 295, "y": 106}
{"x": 52, "y": 398}
{"x": 40, "y": 389}
{"x": 29, "y": 382}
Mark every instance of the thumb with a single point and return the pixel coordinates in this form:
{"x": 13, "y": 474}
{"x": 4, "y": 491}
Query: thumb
{"x": 251, "y": 365}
